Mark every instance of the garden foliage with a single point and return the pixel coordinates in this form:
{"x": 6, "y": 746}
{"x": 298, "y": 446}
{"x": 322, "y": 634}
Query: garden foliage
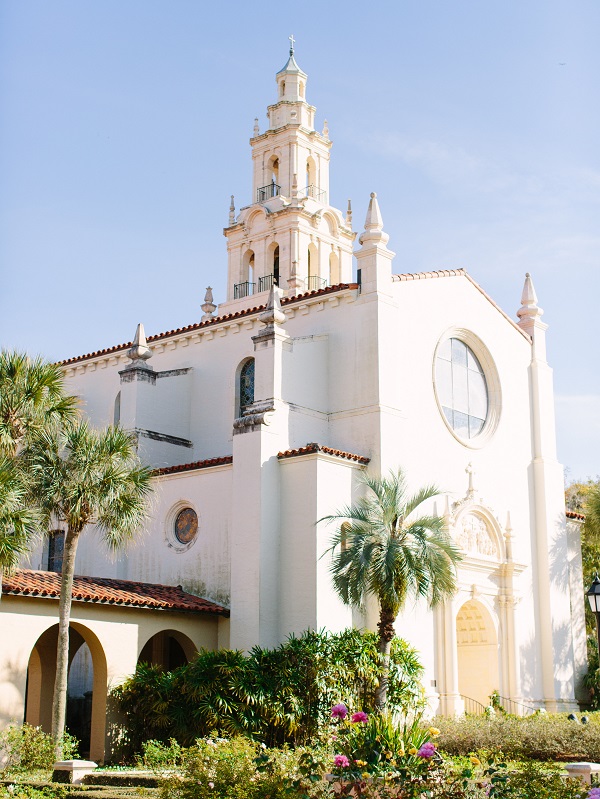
{"x": 276, "y": 696}
{"x": 25, "y": 748}
{"x": 539, "y": 737}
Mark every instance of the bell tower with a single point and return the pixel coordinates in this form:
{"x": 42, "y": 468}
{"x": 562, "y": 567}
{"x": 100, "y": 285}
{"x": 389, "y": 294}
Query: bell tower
{"x": 288, "y": 235}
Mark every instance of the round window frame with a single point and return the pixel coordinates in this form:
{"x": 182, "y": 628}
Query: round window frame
{"x": 492, "y": 379}
{"x": 170, "y": 536}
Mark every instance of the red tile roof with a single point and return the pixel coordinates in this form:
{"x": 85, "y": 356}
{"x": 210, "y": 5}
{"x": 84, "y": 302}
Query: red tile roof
{"x": 459, "y": 273}
{"x": 312, "y": 448}
{"x": 571, "y": 514}
{"x": 107, "y": 591}
{"x": 210, "y": 322}
{"x": 188, "y": 467}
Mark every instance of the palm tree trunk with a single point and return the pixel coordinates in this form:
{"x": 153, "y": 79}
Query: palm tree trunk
{"x": 59, "y": 701}
{"x": 386, "y": 633}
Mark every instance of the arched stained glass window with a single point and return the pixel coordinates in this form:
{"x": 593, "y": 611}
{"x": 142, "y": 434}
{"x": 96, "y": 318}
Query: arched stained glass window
{"x": 246, "y": 385}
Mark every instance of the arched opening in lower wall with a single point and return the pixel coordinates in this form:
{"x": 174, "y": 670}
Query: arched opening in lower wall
{"x": 86, "y": 687}
{"x": 169, "y": 649}
{"x": 477, "y": 649}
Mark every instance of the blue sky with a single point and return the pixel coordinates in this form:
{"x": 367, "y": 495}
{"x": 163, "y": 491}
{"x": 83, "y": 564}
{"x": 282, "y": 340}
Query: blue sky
{"x": 125, "y": 127}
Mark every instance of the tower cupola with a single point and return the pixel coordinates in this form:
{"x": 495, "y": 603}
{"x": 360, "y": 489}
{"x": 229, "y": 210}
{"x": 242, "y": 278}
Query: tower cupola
{"x": 288, "y": 235}
{"x": 291, "y": 107}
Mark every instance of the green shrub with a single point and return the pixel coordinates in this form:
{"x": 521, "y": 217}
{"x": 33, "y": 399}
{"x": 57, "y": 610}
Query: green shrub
{"x": 27, "y": 748}
{"x": 540, "y": 737}
{"x": 160, "y": 757}
{"x": 277, "y": 696}
{"x": 214, "y": 769}
{"x": 22, "y": 791}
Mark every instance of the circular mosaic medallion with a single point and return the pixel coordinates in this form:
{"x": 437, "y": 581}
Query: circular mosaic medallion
{"x": 186, "y": 525}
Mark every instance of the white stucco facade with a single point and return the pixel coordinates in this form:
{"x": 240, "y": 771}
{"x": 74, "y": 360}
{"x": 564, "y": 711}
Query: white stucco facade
{"x": 346, "y": 356}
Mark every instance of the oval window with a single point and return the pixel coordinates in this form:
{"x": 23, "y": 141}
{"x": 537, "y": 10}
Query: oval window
{"x": 461, "y": 388}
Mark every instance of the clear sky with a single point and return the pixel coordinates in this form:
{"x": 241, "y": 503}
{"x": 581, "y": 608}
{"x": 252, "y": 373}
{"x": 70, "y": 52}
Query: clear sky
{"x": 124, "y": 128}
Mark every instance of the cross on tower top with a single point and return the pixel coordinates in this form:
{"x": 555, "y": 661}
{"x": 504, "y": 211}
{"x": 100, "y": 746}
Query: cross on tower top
{"x": 292, "y": 42}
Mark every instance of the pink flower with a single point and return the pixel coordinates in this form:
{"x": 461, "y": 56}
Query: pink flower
{"x": 427, "y": 750}
{"x": 341, "y": 761}
{"x": 339, "y": 711}
{"x": 211, "y": 785}
{"x": 358, "y": 718}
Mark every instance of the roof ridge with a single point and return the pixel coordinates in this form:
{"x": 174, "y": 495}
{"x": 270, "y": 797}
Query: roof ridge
{"x": 460, "y": 273}
{"x": 209, "y": 322}
{"x": 109, "y": 590}
{"x": 313, "y": 448}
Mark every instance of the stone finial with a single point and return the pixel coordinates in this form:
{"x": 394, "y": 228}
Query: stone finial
{"x": 447, "y": 514}
{"x": 232, "y": 211}
{"x": 471, "y": 473}
{"x": 349, "y": 214}
{"x": 374, "y": 224}
{"x": 374, "y": 220}
{"x": 325, "y": 129}
{"x": 256, "y": 128}
{"x": 529, "y": 309}
{"x": 273, "y": 315}
{"x": 208, "y": 306}
{"x": 139, "y": 352}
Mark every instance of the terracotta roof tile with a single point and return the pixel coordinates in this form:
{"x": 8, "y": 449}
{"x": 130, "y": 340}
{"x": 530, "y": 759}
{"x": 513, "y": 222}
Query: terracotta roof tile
{"x": 210, "y": 322}
{"x": 571, "y": 514}
{"x": 103, "y": 590}
{"x": 312, "y": 448}
{"x": 188, "y": 467}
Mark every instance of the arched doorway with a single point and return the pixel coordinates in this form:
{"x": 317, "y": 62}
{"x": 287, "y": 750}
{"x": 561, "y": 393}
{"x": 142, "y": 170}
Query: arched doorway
{"x": 169, "y": 649}
{"x": 87, "y": 687}
{"x": 477, "y": 649}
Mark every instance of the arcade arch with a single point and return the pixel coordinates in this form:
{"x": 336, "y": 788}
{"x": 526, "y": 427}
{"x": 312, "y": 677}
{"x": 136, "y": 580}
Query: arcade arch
{"x": 87, "y": 718}
{"x": 169, "y": 649}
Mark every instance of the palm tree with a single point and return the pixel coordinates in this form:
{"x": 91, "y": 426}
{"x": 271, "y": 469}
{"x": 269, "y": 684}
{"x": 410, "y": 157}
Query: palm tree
{"x": 32, "y": 399}
{"x": 384, "y": 549}
{"x": 19, "y": 522}
{"x": 85, "y": 477}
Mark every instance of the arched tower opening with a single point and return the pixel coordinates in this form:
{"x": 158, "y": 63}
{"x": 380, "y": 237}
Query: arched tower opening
{"x": 334, "y": 269}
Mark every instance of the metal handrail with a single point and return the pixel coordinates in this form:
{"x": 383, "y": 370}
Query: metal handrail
{"x": 267, "y": 192}
{"x": 243, "y": 290}
{"x": 314, "y": 283}
{"x": 513, "y": 708}
{"x": 472, "y": 706}
{"x": 316, "y": 193}
{"x": 265, "y": 283}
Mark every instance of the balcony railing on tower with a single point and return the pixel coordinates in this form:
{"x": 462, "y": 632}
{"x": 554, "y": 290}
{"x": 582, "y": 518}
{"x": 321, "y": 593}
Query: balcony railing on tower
{"x": 266, "y": 282}
{"x": 317, "y": 194}
{"x": 314, "y": 283}
{"x": 267, "y": 192}
{"x": 243, "y": 290}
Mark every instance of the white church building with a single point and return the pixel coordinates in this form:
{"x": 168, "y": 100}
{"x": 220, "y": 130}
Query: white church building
{"x": 260, "y": 418}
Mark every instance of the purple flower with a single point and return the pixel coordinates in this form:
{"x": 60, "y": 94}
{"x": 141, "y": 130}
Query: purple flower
{"x": 358, "y": 718}
{"x": 341, "y": 761}
{"x": 427, "y": 750}
{"x": 339, "y": 711}
{"x": 594, "y": 793}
